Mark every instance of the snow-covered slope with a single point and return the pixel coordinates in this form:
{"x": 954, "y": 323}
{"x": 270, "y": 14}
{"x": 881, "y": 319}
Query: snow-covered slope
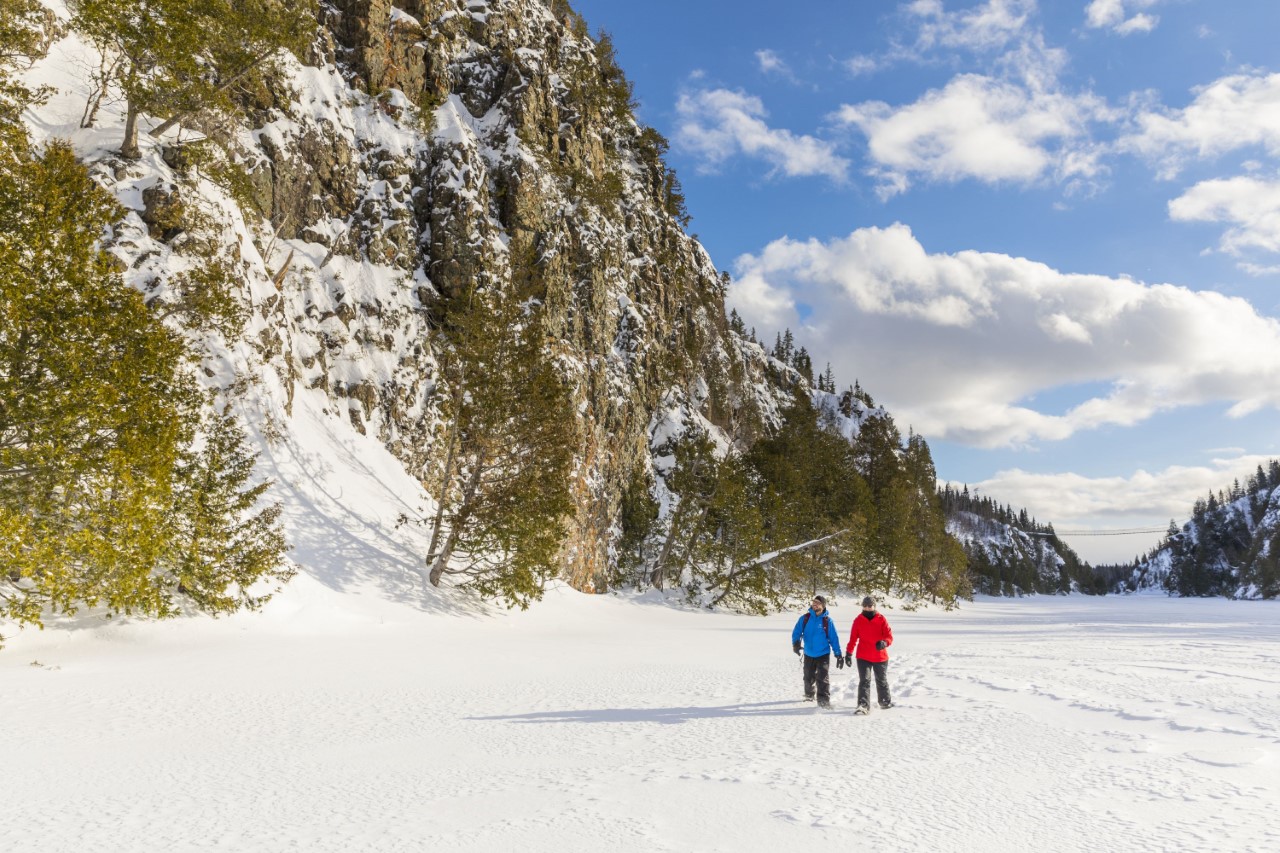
{"x": 1231, "y": 546}
{"x": 1006, "y": 560}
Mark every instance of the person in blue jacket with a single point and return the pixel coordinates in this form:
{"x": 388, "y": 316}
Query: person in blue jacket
{"x": 816, "y": 631}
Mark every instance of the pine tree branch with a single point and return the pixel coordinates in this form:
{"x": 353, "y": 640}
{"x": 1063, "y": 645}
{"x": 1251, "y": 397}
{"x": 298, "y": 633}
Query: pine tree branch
{"x": 166, "y": 125}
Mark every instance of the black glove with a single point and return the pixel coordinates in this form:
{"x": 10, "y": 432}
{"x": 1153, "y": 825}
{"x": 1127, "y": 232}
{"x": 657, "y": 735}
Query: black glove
{"x": 882, "y": 645}
{"x": 795, "y": 647}
{"x": 839, "y": 662}
{"x": 848, "y": 660}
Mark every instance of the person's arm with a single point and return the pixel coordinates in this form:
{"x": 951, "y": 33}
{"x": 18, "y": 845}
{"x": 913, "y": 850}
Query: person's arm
{"x": 795, "y": 632}
{"x": 834, "y": 636}
{"x": 886, "y": 636}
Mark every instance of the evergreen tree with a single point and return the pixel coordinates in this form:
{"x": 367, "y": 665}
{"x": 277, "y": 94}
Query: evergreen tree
{"x": 93, "y": 403}
{"x": 714, "y": 536}
{"x": 736, "y": 325}
{"x": 938, "y": 564}
{"x": 222, "y": 542}
{"x": 877, "y": 450}
{"x": 803, "y": 364}
{"x": 638, "y": 514}
{"x": 726, "y": 558}
{"x": 811, "y": 489}
{"x": 847, "y": 400}
{"x": 618, "y": 93}
{"x": 501, "y": 472}
{"x": 21, "y": 43}
{"x": 827, "y": 382}
{"x": 98, "y": 412}
{"x": 174, "y": 57}
{"x": 692, "y": 480}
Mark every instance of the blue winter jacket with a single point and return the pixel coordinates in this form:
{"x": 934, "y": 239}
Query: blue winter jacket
{"x": 817, "y": 643}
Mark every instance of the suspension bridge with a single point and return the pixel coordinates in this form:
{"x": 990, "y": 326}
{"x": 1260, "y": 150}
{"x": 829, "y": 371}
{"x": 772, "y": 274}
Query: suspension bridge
{"x": 1128, "y": 531}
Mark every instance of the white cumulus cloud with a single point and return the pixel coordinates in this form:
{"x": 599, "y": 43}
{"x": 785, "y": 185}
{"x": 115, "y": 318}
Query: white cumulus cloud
{"x": 958, "y": 345}
{"x": 1116, "y": 16}
{"x": 1250, "y": 205}
{"x": 982, "y": 128}
{"x": 1234, "y": 112}
{"x": 987, "y": 29}
{"x": 719, "y": 124}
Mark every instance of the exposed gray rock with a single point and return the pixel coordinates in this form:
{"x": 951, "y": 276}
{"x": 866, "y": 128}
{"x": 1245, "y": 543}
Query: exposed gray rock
{"x": 465, "y": 141}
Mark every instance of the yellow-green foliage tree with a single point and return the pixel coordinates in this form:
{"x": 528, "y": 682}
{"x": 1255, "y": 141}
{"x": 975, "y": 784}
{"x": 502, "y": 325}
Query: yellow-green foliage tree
{"x": 101, "y": 493}
{"x": 220, "y": 542}
{"x": 174, "y": 57}
{"x": 109, "y": 493}
{"x": 93, "y": 402}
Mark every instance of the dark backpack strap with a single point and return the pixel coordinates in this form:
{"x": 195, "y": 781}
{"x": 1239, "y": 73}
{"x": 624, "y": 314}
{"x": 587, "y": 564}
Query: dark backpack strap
{"x": 805, "y": 623}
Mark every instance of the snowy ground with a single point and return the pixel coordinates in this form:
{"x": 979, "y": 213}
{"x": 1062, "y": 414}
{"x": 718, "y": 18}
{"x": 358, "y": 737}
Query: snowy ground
{"x": 342, "y": 720}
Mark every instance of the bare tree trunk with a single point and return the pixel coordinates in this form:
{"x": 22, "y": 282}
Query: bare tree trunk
{"x": 658, "y": 576}
{"x": 441, "y": 561}
{"x": 100, "y": 82}
{"x": 129, "y": 150}
{"x": 437, "y": 523}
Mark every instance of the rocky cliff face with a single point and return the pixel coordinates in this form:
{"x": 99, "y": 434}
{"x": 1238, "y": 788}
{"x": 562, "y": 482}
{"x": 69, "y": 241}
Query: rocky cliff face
{"x": 426, "y": 144}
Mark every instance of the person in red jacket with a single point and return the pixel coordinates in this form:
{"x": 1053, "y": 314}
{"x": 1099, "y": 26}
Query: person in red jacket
{"x": 871, "y": 636}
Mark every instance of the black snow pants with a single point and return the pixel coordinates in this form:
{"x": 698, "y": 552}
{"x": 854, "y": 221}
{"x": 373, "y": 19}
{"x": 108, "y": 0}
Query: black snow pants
{"x": 816, "y": 669}
{"x": 864, "y": 682}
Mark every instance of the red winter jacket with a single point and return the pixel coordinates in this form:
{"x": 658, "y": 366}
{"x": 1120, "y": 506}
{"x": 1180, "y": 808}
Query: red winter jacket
{"x": 865, "y": 633}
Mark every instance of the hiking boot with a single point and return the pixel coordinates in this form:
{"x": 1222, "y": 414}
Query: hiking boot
{"x": 862, "y": 711}
{"x": 808, "y": 698}
{"x": 824, "y": 704}
{"x": 886, "y": 705}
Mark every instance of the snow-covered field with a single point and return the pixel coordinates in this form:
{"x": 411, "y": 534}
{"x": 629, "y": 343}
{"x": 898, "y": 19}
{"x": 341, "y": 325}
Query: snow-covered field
{"x": 347, "y": 720}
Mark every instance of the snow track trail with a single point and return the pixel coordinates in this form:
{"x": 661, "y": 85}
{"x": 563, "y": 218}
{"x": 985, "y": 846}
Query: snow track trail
{"x": 343, "y": 721}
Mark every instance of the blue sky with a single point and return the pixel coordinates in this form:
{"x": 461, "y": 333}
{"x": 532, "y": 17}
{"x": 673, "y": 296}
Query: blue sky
{"x": 1045, "y": 235}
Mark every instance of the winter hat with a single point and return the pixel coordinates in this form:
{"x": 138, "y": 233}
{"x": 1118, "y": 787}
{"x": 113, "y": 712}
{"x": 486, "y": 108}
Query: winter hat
{"x": 820, "y": 600}
{"x": 868, "y": 602}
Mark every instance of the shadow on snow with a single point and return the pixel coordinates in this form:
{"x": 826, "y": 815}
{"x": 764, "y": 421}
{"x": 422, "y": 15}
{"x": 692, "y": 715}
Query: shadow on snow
{"x": 665, "y": 716}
